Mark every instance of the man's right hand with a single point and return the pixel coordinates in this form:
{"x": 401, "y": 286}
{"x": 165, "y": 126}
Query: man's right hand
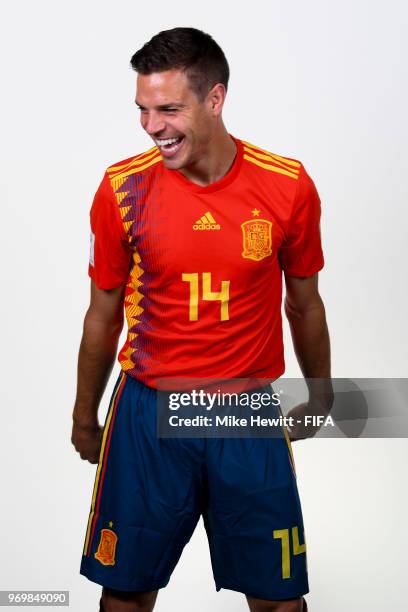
{"x": 102, "y": 327}
{"x": 87, "y": 440}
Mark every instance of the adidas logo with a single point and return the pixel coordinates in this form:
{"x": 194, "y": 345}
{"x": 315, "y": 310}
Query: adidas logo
{"x": 207, "y": 222}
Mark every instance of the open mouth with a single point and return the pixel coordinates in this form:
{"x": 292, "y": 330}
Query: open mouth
{"x": 169, "y": 146}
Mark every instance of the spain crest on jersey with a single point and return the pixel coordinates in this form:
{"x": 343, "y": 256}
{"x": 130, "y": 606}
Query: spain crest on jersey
{"x": 106, "y": 548}
{"x": 256, "y": 239}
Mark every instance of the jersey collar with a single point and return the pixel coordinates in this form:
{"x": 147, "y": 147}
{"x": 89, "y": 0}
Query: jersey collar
{"x": 227, "y": 179}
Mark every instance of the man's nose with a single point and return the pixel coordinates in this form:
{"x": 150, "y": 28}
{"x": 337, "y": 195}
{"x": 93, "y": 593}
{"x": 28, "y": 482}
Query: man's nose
{"x": 153, "y": 123}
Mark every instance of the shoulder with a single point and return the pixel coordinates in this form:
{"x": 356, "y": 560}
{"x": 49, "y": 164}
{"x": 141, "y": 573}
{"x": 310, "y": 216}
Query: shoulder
{"x": 271, "y": 164}
{"x": 137, "y": 164}
{"x": 121, "y": 184}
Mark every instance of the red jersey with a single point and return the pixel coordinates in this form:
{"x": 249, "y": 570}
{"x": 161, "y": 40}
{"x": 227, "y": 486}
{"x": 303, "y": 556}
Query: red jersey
{"x": 203, "y": 265}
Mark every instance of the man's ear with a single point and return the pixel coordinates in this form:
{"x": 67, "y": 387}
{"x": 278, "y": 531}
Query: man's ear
{"x": 216, "y": 98}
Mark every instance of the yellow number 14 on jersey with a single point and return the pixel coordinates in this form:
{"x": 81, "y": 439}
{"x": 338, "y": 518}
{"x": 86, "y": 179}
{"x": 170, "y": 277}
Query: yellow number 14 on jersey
{"x": 207, "y": 294}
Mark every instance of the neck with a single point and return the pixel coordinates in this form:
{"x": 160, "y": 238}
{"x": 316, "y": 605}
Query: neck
{"x": 215, "y": 162}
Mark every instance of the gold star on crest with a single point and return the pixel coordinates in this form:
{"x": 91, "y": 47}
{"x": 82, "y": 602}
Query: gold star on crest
{"x": 110, "y": 524}
{"x": 255, "y": 212}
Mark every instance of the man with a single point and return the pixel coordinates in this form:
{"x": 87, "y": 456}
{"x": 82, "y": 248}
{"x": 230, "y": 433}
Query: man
{"x": 191, "y": 238}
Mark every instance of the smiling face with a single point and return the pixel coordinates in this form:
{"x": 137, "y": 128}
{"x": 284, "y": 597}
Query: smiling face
{"x": 171, "y": 113}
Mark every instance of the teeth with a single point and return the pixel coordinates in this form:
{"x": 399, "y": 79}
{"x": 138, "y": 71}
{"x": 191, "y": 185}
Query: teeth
{"x": 168, "y": 141}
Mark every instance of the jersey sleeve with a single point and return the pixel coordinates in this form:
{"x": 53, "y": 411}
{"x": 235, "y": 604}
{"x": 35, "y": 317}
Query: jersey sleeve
{"x": 301, "y": 253}
{"x": 110, "y": 253}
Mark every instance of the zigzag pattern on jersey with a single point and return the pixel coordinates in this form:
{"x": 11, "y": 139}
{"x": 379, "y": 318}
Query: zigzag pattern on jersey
{"x": 133, "y": 311}
{"x": 126, "y": 182}
{"x": 270, "y": 161}
{"x": 131, "y": 181}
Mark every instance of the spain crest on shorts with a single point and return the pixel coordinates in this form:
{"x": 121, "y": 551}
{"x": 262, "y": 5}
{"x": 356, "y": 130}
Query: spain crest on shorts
{"x": 256, "y": 239}
{"x": 106, "y": 548}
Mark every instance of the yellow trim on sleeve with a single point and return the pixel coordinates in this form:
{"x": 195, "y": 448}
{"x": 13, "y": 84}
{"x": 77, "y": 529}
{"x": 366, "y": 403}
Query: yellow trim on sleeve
{"x": 286, "y": 160}
{"x": 270, "y": 167}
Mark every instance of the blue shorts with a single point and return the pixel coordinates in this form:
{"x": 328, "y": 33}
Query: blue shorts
{"x": 150, "y": 492}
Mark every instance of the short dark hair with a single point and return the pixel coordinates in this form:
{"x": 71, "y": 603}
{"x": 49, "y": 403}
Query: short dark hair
{"x": 186, "y": 49}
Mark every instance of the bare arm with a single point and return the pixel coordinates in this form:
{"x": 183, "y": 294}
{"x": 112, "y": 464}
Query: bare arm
{"x": 305, "y": 311}
{"x": 102, "y": 327}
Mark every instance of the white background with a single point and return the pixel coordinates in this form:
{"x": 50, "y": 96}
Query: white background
{"x": 320, "y": 81}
